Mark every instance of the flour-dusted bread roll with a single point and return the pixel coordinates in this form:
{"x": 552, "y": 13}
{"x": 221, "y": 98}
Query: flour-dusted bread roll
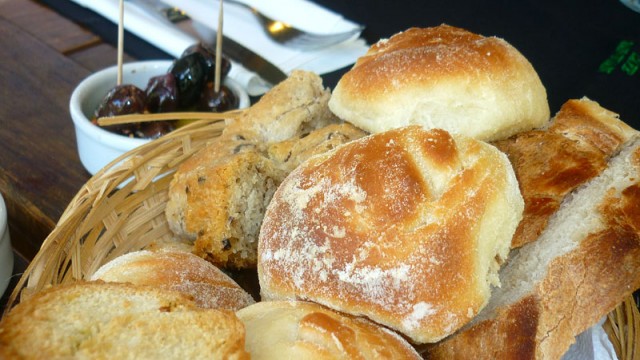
{"x": 180, "y": 271}
{"x": 98, "y": 320}
{"x": 280, "y": 330}
{"x": 406, "y": 227}
{"x": 443, "y": 77}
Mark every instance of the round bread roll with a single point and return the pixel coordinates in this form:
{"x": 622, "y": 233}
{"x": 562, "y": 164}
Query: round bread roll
{"x": 304, "y": 330}
{"x": 99, "y": 320}
{"x": 407, "y": 227}
{"x": 443, "y": 77}
{"x": 179, "y": 271}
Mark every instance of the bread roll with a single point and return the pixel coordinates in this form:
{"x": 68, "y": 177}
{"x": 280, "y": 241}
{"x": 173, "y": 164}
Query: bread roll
{"x": 580, "y": 268}
{"x": 217, "y": 198}
{"x": 443, "y": 77}
{"x": 406, "y": 227}
{"x": 179, "y": 271}
{"x": 303, "y": 330}
{"x": 552, "y": 162}
{"x": 99, "y": 320}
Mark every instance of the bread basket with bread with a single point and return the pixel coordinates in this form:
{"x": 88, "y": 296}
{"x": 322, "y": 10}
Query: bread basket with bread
{"x": 428, "y": 207}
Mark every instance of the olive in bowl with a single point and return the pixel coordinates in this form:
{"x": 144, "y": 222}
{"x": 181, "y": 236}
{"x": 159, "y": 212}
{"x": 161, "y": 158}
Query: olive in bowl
{"x": 98, "y": 146}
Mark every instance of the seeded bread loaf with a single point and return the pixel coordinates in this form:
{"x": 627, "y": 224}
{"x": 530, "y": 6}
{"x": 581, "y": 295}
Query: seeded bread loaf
{"x": 217, "y": 198}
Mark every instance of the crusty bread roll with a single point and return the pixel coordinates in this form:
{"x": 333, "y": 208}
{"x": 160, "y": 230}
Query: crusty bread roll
{"x": 98, "y": 320}
{"x": 180, "y": 271}
{"x": 217, "y": 198}
{"x": 407, "y": 227}
{"x": 304, "y": 330}
{"x": 581, "y": 267}
{"x": 552, "y": 162}
{"x": 443, "y": 77}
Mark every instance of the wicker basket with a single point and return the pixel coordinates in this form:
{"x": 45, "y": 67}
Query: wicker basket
{"x": 121, "y": 209}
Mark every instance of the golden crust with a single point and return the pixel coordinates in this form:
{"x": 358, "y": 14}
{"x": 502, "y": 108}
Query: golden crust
{"x": 304, "y": 330}
{"x": 443, "y": 77}
{"x": 180, "y": 271}
{"x": 576, "y": 287}
{"x": 372, "y": 228}
{"x": 550, "y": 163}
{"x": 88, "y": 319}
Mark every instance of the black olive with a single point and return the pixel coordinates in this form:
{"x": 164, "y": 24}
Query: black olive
{"x": 209, "y": 55}
{"x": 189, "y": 72}
{"x": 122, "y": 100}
{"x": 162, "y": 94}
{"x": 154, "y": 129}
{"x": 219, "y": 101}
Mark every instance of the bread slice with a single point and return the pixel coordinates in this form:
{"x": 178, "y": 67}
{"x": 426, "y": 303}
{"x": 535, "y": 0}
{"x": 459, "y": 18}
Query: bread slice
{"x": 552, "y": 162}
{"x": 101, "y": 320}
{"x": 583, "y": 264}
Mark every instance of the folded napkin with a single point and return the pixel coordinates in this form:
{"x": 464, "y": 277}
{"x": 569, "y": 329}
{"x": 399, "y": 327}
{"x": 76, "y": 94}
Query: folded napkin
{"x": 241, "y": 26}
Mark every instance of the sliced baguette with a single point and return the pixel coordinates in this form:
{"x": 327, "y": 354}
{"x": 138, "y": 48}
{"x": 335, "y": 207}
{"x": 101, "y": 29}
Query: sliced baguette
{"x": 583, "y": 264}
{"x": 552, "y": 162}
{"x": 99, "y": 320}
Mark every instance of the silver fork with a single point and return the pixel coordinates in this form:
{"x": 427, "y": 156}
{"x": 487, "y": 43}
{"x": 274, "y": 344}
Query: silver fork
{"x": 279, "y": 31}
{"x": 288, "y": 35}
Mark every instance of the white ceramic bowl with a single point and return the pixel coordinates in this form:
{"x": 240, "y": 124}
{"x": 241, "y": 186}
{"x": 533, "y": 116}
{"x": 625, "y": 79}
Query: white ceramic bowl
{"x": 6, "y": 252}
{"x": 97, "y": 147}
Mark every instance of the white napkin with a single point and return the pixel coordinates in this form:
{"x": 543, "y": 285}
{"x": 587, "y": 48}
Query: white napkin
{"x": 241, "y": 25}
{"x": 592, "y": 344}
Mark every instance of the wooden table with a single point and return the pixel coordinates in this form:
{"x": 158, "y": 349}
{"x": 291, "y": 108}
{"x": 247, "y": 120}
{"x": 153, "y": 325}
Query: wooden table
{"x": 44, "y": 56}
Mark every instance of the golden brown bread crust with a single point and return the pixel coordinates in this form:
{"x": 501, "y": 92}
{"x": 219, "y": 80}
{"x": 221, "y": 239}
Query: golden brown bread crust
{"x": 88, "y": 319}
{"x": 578, "y": 288}
{"x": 550, "y": 163}
{"x": 304, "y": 330}
{"x": 406, "y": 227}
{"x": 179, "y": 271}
{"x": 442, "y": 77}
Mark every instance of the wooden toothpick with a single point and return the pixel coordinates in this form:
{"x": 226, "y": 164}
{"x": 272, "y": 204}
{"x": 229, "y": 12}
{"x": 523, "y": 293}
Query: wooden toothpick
{"x": 216, "y": 83}
{"x": 120, "y": 42}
